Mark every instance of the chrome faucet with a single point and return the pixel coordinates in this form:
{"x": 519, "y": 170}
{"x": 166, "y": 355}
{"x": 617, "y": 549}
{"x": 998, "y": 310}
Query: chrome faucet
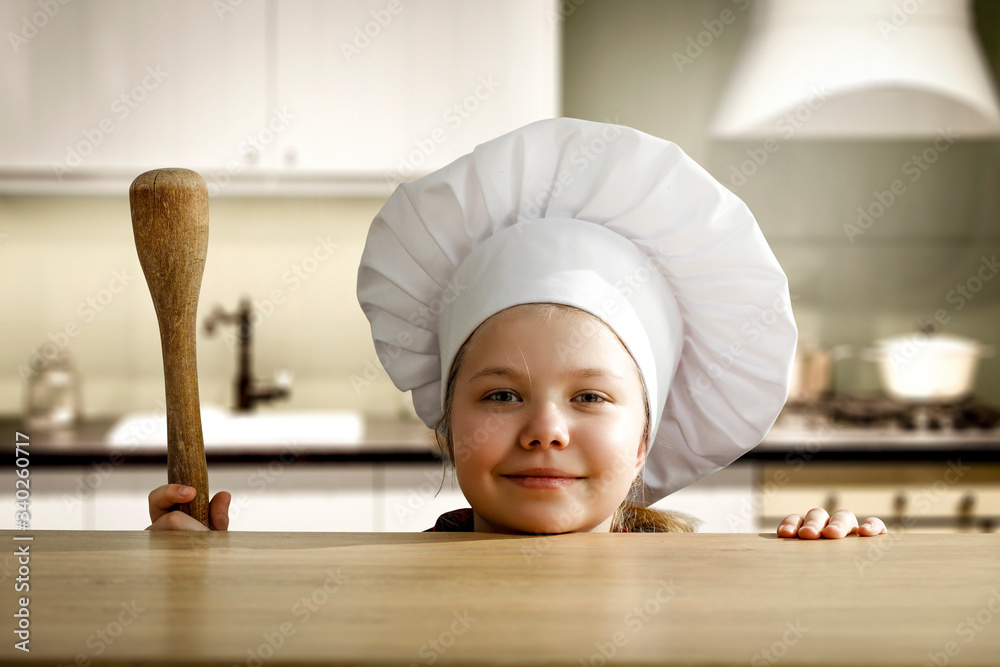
{"x": 248, "y": 390}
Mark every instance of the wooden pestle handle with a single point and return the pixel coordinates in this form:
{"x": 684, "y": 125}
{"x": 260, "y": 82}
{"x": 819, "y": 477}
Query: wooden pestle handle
{"x": 170, "y": 222}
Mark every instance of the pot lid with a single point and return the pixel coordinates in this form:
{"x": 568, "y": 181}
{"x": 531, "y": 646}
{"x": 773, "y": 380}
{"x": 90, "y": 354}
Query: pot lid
{"x": 935, "y": 342}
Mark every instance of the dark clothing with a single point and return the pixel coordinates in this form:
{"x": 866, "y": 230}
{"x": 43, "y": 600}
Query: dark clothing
{"x": 458, "y": 521}
{"x": 455, "y": 521}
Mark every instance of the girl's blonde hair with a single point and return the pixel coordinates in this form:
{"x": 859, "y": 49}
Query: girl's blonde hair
{"x": 630, "y": 517}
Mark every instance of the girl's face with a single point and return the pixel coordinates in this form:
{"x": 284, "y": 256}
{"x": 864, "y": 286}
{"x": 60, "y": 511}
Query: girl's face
{"x": 547, "y": 422}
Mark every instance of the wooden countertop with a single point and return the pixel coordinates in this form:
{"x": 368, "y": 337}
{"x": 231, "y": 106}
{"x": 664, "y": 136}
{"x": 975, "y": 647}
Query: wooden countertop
{"x": 268, "y": 599}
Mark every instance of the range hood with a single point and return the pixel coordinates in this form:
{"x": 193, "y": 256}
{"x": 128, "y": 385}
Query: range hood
{"x": 871, "y": 69}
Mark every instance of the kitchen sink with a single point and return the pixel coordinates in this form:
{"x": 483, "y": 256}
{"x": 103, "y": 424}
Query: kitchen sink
{"x": 224, "y": 429}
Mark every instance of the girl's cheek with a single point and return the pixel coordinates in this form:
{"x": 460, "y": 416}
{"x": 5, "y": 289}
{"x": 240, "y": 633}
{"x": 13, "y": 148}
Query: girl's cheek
{"x": 466, "y": 447}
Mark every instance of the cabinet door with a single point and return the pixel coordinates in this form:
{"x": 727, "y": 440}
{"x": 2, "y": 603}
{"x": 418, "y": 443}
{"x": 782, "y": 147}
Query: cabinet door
{"x": 724, "y": 502}
{"x": 61, "y": 498}
{"x": 394, "y": 89}
{"x": 271, "y": 496}
{"x": 114, "y": 87}
{"x": 411, "y": 500}
{"x": 310, "y": 497}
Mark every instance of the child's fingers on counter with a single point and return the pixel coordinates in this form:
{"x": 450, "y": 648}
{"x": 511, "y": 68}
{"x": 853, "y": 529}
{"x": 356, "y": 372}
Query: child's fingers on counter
{"x": 177, "y": 520}
{"x": 841, "y": 524}
{"x": 872, "y": 526}
{"x": 789, "y": 526}
{"x": 163, "y": 498}
{"x": 219, "y": 510}
{"x": 814, "y": 523}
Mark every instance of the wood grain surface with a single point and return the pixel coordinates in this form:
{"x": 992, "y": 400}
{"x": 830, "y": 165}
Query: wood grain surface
{"x": 170, "y": 224}
{"x": 255, "y": 599}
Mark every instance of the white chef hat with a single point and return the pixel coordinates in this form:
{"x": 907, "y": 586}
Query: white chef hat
{"x": 614, "y": 222}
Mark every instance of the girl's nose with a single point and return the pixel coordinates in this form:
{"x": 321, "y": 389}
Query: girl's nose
{"x": 545, "y": 428}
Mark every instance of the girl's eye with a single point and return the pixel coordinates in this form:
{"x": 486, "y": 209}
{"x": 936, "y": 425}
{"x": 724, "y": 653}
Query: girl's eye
{"x": 590, "y": 398}
{"x": 502, "y": 396}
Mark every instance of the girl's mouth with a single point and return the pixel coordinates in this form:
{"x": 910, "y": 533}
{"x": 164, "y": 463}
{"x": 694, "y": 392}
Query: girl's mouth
{"x": 542, "y": 478}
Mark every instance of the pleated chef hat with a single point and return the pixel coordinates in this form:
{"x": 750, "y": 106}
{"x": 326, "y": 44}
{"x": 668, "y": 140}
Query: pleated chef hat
{"x": 614, "y": 222}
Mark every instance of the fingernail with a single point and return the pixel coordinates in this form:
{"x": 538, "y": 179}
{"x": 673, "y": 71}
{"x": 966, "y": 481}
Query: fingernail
{"x": 185, "y": 490}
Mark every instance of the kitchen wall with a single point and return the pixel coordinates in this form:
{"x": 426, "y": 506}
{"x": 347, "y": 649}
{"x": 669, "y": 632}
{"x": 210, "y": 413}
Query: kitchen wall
{"x": 70, "y": 265}
{"x": 634, "y": 61}
{"x": 71, "y": 278}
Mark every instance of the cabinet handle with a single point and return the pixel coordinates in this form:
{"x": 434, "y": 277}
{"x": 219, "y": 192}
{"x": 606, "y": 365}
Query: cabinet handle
{"x": 966, "y": 511}
{"x": 899, "y": 505}
{"x": 967, "y": 505}
{"x": 832, "y": 503}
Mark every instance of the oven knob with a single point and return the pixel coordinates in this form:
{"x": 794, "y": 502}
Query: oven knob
{"x": 966, "y": 510}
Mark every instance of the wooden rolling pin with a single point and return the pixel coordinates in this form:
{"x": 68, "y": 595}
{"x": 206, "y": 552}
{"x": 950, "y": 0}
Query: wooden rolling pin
{"x": 170, "y": 222}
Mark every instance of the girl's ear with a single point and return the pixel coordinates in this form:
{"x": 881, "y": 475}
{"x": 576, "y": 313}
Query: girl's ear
{"x": 640, "y": 459}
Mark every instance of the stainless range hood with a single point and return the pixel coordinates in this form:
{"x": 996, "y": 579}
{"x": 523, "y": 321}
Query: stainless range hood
{"x": 859, "y": 69}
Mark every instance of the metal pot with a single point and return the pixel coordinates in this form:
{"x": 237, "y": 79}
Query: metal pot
{"x": 812, "y": 371}
{"x": 927, "y": 368}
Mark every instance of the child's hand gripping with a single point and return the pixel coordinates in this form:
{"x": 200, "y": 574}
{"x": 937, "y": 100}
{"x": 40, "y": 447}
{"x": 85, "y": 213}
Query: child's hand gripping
{"x": 162, "y": 498}
{"x": 818, "y": 523}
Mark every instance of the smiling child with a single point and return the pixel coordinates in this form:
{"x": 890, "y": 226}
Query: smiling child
{"x": 589, "y": 322}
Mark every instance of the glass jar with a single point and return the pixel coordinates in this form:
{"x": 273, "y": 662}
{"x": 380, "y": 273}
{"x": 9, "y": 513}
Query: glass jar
{"x": 53, "y": 395}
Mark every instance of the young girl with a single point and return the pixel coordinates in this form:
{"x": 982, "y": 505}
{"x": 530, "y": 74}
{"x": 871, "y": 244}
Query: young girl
{"x": 587, "y": 319}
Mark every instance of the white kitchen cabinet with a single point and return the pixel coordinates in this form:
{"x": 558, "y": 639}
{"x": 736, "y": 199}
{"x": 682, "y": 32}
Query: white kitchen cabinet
{"x": 725, "y": 501}
{"x": 105, "y": 89}
{"x": 266, "y": 497}
{"x": 393, "y": 89}
{"x": 320, "y": 96}
{"x": 58, "y": 500}
{"x": 413, "y": 497}
{"x": 316, "y": 498}
{"x": 270, "y": 496}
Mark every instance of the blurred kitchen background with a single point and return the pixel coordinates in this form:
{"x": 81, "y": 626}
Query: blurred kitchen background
{"x": 883, "y": 210}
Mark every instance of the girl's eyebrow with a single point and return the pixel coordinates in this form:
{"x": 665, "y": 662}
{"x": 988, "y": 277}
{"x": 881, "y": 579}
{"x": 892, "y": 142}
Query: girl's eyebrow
{"x": 502, "y": 371}
{"x": 595, "y": 373}
{"x": 513, "y": 373}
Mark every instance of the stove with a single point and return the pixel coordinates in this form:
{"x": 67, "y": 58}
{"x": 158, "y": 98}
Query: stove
{"x": 887, "y": 413}
{"x": 881, "y": 421}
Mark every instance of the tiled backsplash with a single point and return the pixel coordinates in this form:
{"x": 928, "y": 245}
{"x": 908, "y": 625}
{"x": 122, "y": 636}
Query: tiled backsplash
{"x": 72, "y": 279}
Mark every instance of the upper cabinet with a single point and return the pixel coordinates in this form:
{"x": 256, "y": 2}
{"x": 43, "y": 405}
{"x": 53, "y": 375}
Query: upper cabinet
{"x": 265, "y": 97}
{"x": 396, "y": 88}
{"x": 99, "y": 91}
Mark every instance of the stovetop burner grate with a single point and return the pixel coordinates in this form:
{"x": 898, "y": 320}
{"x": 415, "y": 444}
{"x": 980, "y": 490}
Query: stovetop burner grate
{"x": 880, "y": 412}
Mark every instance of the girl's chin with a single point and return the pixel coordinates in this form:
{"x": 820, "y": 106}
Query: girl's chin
{"x": 539, "y": 526}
